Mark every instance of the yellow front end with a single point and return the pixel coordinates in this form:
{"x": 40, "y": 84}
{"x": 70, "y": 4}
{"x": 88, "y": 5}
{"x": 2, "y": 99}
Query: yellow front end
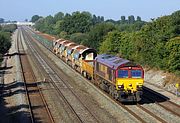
{"x": 129, "y": 84}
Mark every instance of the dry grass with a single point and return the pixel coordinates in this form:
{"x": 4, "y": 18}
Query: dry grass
{"x": 171, "y": 78}
{"x": 46, "y": 36}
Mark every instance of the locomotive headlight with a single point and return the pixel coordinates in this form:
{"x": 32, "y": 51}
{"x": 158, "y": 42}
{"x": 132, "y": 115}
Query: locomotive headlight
{"x": 120, "y": 86}
{"x": 139, "y": 85}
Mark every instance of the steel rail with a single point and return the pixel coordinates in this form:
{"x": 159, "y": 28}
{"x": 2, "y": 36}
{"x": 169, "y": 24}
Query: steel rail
{"x": 39, "y": 90}
{"x": 27, "y": 94}
{"x": 157, "y": 95}
{"x": 42, "y": 96}
{"x": 56, "y": 75}
{"x": 55, "y": 86}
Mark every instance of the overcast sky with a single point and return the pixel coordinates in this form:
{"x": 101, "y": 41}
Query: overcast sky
{"x": 24, "y": 9}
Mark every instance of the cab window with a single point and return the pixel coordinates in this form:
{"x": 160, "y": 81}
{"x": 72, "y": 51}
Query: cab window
{"x": 136, "y": 73}
{"x": 122, "y": 73}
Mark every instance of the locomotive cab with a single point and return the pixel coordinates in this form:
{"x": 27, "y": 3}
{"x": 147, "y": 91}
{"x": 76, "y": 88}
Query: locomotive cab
{"x": 119, "y": 77}
{"x": 129, "y": 81}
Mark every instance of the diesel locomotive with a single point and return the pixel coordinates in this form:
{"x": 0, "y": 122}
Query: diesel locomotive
{"x": 119, "y": 77}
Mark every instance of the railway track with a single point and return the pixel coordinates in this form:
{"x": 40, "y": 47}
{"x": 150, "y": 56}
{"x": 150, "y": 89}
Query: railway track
{"x": 80, "y": 111}
{"x": 124, "y": 107}
{"x": 140, "y": 107}
{"x": 133, "y": 113}
{"x": 163, "y": 101}
{"x": 38, "y": 107}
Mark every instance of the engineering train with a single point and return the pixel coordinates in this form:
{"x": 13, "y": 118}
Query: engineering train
{"x": 119, "y": 77}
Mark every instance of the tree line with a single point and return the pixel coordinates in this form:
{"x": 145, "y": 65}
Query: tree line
{"x": 155, "y": 43}
{"x": 83, "y": 27}
{"x": 5, "y": 38}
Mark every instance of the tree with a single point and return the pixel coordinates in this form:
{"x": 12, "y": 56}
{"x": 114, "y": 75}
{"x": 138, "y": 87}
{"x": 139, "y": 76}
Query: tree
{"x": 97, "y": 33}
{"x": 94, "y": 19}
{"x": 123, "y": 19}
{"x": 59, "y": 16}
{"x": 102, "y": 19}
{"x": 1, "y": 20}
{"x": 111, "y": 44}
{"x": 80, "y": 38}
{"x": 49, "y": 20}
{"x": 120, "y": 43}
{"x": 9, "y": 28}
{"x": 64, "y": 35}
{"x": 45, "y": 25}
{"x": 39, "y": 24}
{"x": 5, "y": 42}
{"x": 173, "y": 53}
{"x": 77, "y": 22}
{"x": 131, "y": 19}
{"x": 35, "y": 18}
{"x": 58, "y": 26}
{"x": 138, "y": 18}
{"x": 111, "y": 21}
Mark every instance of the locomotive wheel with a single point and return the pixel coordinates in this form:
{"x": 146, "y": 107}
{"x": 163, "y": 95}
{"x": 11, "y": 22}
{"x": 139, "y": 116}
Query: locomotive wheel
{"x": 116, "y": 95}
{"x": 102, "y": 86}
{"x": 111, "y": 90}
{"x": 120, "y": 98}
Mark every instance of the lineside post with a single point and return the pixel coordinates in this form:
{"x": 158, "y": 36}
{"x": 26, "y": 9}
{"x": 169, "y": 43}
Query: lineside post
{"x": 177, "y": 89}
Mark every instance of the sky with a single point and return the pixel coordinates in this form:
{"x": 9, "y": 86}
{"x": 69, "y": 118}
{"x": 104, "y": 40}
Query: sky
{"x": 19, "y": 10}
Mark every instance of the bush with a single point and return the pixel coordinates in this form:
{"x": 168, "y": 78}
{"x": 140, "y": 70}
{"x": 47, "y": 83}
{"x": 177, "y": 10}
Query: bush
{"x": 5, "y": 42}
